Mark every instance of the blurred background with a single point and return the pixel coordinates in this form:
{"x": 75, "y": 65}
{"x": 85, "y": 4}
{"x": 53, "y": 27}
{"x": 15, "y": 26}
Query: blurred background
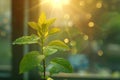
{"x": 91, "y": 28}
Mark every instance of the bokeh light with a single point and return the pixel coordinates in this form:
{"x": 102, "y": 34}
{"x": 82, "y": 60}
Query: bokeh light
{"x": 66, "y": 40}
{"x": 91, "y": 24}
{"x": 85, "y": 37}
{"x": 99, "y": 5}
{"x": 100, "y": 53}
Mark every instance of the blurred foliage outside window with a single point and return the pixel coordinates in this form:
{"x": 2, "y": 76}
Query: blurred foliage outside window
{"x": 92, "y": 29}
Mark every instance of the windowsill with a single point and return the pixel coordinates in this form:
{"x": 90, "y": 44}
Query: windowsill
{"x": 5, "y": 68}
{"x": 88, "y": 76}
{"x": 5, "y": 71}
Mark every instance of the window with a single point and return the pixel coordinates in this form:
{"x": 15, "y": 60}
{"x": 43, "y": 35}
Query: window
{"x": 90, "y": 27}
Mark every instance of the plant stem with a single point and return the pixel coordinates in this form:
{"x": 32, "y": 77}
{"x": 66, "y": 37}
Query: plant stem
{"x": 44, "y": 69}
{"x": 44, "y": 61}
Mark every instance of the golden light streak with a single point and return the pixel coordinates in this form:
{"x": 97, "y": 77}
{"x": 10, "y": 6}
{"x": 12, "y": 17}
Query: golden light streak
{"x": 67, "y": 12}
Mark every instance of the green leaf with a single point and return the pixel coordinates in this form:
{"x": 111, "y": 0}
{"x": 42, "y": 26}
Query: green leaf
{"x": 48, "y": 50}
{"x": 60, "y": 65}
{"x": 42, "y": 18}
{"x": 33, "y": 25}
{"x": 57, "y": 44}
{"x": 27, "y": 40}
{"x": 40, "y": 68}
{"x": 44, "y": 28}
{"x": 53, "y": 31}
{"x": 49, "y": 78}
{"x": 30, "y": 61}
{"x": 50, "y": 21}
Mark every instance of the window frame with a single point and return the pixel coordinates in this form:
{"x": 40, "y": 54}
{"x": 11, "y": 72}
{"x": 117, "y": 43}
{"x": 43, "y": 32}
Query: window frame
{"x": 18, "y": 8}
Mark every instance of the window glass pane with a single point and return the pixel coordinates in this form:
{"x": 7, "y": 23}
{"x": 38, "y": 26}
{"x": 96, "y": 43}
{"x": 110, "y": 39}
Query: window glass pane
{"x": 92, "y": 30}
{"x": 5, "y": 34}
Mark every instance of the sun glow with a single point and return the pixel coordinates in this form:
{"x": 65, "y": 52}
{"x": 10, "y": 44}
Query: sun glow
{"x": 58, "y": 3}
{"x": 70, "y": 12}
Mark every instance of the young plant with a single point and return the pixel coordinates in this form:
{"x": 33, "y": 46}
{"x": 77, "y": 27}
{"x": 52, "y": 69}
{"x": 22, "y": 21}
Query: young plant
{"x": 37, "y": 59}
